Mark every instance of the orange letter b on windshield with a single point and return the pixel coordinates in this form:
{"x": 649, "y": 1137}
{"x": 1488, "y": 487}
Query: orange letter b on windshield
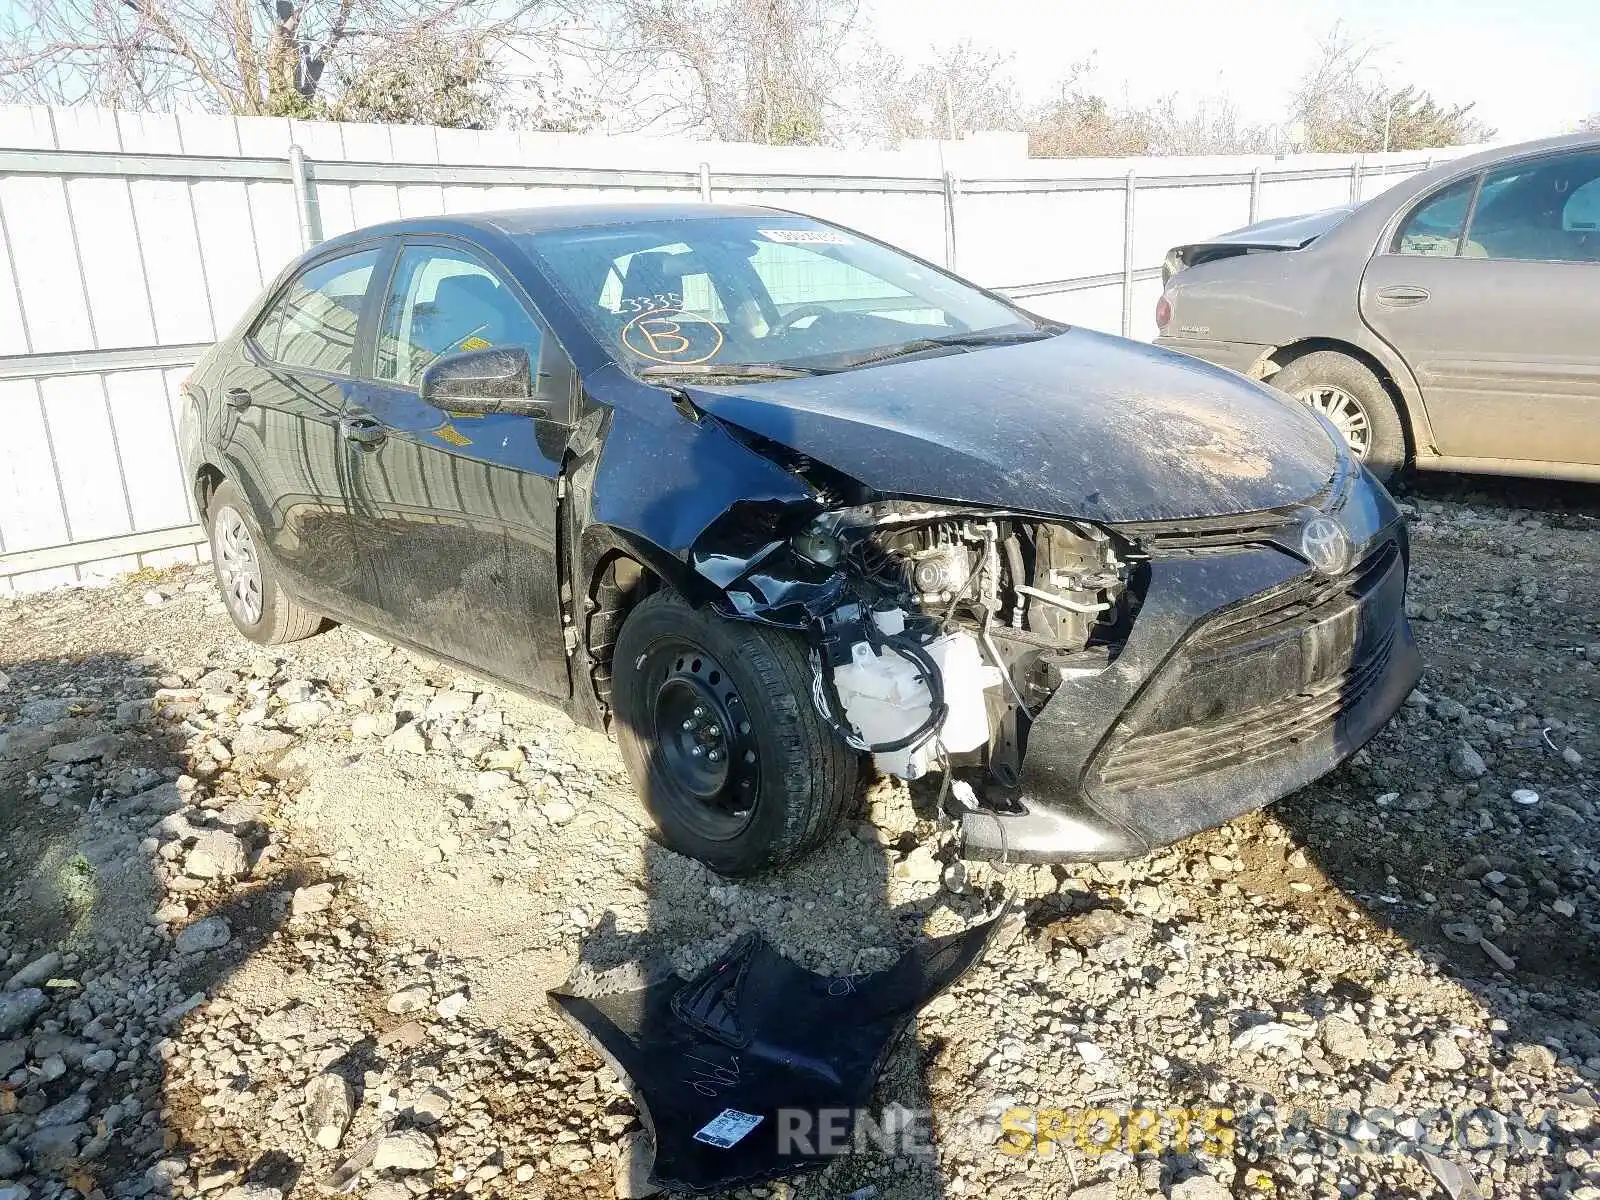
{"x": 665, "y": 336}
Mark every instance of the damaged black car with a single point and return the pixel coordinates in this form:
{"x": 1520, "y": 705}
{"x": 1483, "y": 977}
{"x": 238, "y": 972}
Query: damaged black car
{"x": 772, "y": 500}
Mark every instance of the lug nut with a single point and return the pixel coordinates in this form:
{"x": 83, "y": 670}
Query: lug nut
{"x": 689, "y": 724}
{"x": 715, "y": 756}
{"x": 713, "y": 731}
{"x": 697, "y": 751}
{"x": 699, "y": 710}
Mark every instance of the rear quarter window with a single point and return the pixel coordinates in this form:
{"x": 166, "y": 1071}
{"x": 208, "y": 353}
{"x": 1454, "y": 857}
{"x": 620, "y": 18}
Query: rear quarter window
{"x": 313, "y": 322}
{"x": 1434, "y": 226}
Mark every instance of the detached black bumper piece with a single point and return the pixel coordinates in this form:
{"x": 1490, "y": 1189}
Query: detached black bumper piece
{"x": 736, "y": 1071}
{"x": 1247, "y": 676}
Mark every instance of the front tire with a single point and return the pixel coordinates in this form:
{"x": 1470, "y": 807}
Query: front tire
{"x": 1355, "y": 400}
{"x": 717, "y": 728}
{"x": 263, "y": 611}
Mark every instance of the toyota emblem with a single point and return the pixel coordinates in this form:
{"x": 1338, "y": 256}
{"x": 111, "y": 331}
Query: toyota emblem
{"x": 1326, "y": 546}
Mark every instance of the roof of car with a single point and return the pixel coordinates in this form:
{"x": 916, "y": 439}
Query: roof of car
{"x": 1512, "y": 150}
{"x": 521, "y": 221}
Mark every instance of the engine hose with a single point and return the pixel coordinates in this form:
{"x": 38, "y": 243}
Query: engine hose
{"x": 827, "y": 709}
{"x": 938, "y": 709}
{"x": 1019, "y": 606}
{"x": 1005, "y": 672}
{"x": 831, "y": 706}
{"x": 1062, "y": 601}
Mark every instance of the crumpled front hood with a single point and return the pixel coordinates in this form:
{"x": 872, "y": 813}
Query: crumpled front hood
{"x": 1082, "y": 425}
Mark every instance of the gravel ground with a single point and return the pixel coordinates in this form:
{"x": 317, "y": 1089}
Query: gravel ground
{"x": 278, "y": 921}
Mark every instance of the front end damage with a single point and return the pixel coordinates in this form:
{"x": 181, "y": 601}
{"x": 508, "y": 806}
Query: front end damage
{"x": 1089, "y": 691}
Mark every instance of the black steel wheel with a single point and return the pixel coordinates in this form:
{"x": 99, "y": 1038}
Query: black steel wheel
{"x": 704, "y": 742}
{"x": 716, "y": 725}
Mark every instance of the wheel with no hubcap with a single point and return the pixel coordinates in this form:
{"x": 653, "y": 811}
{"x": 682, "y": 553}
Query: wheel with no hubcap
{"x": 716, "y": 726}
{"x": 256, "y": 601}
{"x": 1355, "y": 401}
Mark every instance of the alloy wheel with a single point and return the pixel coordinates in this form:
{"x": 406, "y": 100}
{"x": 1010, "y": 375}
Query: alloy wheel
{"x": 238, "y": 566}
{"x": 1346, "y": 413}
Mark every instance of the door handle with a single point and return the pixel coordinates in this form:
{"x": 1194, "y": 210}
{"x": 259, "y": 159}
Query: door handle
{"x": 366, "y": 432}
{"x": 1402, "y": 295}
{"x": 238, "y": 397}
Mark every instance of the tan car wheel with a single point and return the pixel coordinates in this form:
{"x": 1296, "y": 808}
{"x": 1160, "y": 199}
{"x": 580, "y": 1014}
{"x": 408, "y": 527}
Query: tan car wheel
{"x": 1355, "y": 401}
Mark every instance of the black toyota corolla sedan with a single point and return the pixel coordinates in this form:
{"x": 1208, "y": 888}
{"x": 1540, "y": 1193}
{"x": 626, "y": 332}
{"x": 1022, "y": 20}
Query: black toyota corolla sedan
{"x": 771, "y": 499}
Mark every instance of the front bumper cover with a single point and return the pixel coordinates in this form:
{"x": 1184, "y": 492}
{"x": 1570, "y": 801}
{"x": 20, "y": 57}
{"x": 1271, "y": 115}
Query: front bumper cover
{"x": 1247, "y": 676}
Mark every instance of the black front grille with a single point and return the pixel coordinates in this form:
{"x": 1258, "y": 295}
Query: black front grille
{"x": 1217, "y": 533}
{"x": 1150, "y": 760}
{"x": 1304, "y": 600}
{"x": 1329, "y": 640}
{"x": 1229, "y": 532}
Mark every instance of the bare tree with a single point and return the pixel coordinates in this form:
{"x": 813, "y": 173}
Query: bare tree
{"x": 257, "y": 57}
{"x": 1344, "y": 104}
{"x": 1211, "y": 126}
{"x": 965, "y": 89}
{"x": 1590, "y": 124}
{"x": 769, "y": 71}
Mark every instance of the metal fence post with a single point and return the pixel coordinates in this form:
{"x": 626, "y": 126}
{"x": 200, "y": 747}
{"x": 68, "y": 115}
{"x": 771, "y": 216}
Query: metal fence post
{"x": 705, "y": 183}
{"x": 1355, "y": 182}
{"x": 951, "y": 189}
{"x": 302, "y": 197}
{"x": 1255, "y": 195}
{"x": 1130, "y": 189}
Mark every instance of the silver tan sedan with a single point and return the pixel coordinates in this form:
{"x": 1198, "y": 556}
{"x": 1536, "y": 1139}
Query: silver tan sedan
{"x": 1452, "y": 322}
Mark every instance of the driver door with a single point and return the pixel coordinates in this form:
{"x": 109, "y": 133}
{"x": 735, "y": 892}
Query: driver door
{"x": 460, "y": 511}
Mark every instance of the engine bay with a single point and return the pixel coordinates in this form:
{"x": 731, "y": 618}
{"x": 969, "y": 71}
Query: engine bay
{"x": 959, "y": 626}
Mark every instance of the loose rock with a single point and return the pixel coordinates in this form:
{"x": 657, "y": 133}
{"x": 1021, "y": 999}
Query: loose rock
{"x": 408, "y": 1150}
{"x": 329, "y": 1101}
{"x": 212, "y": 933}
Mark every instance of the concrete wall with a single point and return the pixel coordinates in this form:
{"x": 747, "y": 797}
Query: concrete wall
{"x": 129, "y": 241}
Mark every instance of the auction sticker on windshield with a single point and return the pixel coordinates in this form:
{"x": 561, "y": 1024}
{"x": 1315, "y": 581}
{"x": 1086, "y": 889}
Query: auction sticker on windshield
{"x": 806, "y": 237}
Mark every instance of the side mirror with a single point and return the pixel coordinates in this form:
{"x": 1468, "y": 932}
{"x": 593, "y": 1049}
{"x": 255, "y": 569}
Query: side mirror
{"x": 496, "y": 380}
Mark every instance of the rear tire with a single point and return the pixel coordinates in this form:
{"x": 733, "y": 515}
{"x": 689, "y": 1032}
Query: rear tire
{"x": 1353, "y": 398}
{"x": 263, "y": 611}
{"x": 716, "y": 726}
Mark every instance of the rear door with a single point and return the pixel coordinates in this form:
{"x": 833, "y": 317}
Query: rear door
{"x": 283, "y": 400}
{"x": 460, "y": 510}
{"x": 1490, "y": 290}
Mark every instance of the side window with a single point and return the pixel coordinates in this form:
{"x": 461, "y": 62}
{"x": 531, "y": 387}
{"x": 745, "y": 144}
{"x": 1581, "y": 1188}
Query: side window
{"x": 1434, "y": 226}
{"x": 443, "y": 302}
{"x": 313, "y": 324}
{"x": 1541, "y": 211}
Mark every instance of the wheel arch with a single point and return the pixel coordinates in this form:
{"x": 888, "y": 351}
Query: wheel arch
{"x": 1390, "y": 372}
{"x": 208, "y": 477}
{"x": 616, "y": 570}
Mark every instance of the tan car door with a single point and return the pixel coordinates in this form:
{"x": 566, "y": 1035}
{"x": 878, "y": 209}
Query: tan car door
{"x": 1501, "y": 327}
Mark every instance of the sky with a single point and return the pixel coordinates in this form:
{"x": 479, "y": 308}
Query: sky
{"x": 1532, "y": 66}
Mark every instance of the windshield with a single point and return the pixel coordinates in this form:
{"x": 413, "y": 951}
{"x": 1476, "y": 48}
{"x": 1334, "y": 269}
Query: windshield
{"x": 749, "y": 293}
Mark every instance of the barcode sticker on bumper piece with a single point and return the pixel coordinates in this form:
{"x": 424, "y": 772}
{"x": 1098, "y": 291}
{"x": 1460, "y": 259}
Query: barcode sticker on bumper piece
{"x": 727, "y": 1128}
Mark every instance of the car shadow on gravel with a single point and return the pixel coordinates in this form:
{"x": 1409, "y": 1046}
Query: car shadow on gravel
{"x": 1430, "y": 844}
{"x": 830, "y": 913}
{"x": 106, "y": 942}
